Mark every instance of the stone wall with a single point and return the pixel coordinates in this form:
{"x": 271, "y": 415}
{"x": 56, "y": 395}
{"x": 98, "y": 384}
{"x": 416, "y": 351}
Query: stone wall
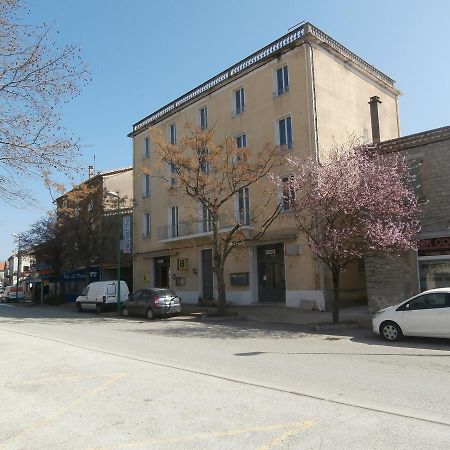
{"x": 390, "y": 281}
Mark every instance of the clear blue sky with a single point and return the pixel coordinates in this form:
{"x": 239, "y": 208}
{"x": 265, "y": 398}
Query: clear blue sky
{"x": 143, "y": 54}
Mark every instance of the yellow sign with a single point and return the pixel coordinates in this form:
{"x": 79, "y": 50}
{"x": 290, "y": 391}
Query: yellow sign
{"x": 182, "y": 264}
{"x": 147, "y": 277}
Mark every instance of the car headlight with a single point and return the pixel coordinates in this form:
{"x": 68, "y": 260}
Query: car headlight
{"x": 378, "y": 313}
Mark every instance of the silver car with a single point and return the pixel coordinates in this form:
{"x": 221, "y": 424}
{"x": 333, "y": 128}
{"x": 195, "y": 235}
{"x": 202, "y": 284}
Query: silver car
{"x": 153, "y": 302}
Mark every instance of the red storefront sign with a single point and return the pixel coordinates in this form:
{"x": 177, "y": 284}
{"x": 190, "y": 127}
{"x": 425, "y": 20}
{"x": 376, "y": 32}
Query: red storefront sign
{"x": 434, "y": 246}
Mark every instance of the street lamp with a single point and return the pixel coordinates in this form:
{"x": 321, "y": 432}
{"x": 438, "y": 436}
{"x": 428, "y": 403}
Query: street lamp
{"x": 17, "y": 236}
{"x": 117, "y": 196}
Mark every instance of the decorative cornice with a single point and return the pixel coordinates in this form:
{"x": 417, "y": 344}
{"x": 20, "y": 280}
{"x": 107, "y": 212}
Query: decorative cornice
{"x": 294, "y": 38}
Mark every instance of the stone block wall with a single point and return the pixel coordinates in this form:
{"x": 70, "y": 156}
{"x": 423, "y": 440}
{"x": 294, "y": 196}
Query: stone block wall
{"x": 390, "y": 280}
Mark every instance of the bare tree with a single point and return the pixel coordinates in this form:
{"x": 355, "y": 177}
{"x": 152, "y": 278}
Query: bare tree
{"x": 43, "y": 241}
{"x": 36, "y": 79}
{"x": 216, "y": 176}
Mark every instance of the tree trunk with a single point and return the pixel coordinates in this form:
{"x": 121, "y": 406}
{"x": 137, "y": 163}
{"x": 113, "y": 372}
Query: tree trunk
{"x": 336, "y": 296}
{"x": 218, "y": 269}
{"x": 222, "y": 300}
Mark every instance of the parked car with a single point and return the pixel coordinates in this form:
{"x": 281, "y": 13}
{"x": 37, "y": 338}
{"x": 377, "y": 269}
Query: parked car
{"x": 152, "y": 303}
{"x": 13, "y": 293}
{"x": 426, "y": 314}
{"x": 101, "y": 295}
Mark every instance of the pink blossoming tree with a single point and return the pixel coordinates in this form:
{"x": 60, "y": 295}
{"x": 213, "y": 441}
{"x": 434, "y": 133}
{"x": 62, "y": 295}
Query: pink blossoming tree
{"x": 358, "y": 201}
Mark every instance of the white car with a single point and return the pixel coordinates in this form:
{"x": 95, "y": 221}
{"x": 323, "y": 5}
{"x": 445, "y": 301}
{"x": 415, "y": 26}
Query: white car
{"x": 425, "y": 314}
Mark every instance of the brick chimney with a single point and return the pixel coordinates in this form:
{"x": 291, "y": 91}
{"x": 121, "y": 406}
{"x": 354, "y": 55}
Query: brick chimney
{"x": 374, "y": 118}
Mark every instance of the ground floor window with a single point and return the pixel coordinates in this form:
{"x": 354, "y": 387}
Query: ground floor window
{"x": 434, "y": 272}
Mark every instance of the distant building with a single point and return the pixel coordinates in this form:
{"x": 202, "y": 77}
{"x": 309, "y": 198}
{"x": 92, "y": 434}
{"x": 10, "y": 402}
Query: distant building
{"x": 90, "y": 244}
{"x": 391, "y": 280}
{"x": 11, "y": 269}
{"x": 3, "y": 271}
{"x": 304, "y": 91}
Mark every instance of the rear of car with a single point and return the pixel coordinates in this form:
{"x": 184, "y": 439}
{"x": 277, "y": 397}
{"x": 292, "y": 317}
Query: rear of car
{"x": 166, "y": 302}
{"x": 154, "y": 302}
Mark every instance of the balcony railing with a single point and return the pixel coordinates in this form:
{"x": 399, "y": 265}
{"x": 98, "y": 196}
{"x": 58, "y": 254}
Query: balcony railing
{"x": 201, "y": 228}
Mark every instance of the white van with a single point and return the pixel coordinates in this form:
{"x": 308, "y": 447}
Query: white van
{"x": 11, "y": 293}
{"x": 101, "y": 295}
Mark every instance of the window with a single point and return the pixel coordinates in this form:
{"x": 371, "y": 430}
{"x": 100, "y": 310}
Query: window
{"x": 203, "y": 118}
{"x": 146, "y": 148}
{"x": 239, "y": 102}
{"x": 282, "y": 81}
{"x": 111, "y": 289}
{"x": 173, "y": 134}
{"x": 244, "y": 206}
{"x": 172, "y": 173}
{"x": 206, "y": 223}
{"x": 415, "y": 170}
{"x": 203, "y": 159}
{"x": 434, "y": 273}
{"x": 285, "y": 132}
{"x": 430, "y": 301}
{"x": 146, "y": 186}
{"x": 146, "y": 225}
{"x": 241, "y": 141}
{"x": 174, "y": 221}
{"x": 288, "y": 194}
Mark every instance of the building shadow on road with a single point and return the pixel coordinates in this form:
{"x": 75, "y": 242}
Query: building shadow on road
{"x": 191, "y": 326}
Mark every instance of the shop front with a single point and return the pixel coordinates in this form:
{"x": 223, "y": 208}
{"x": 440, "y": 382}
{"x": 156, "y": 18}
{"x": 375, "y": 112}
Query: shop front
{"x": 434, "y": 263}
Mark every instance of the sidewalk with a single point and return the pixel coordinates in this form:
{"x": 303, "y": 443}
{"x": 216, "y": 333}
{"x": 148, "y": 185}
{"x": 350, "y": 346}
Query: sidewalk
{"x": 356, "y": 317}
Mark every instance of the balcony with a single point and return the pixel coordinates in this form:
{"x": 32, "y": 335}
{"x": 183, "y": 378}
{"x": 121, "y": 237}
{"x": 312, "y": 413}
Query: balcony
{"x": 197, "y": 228}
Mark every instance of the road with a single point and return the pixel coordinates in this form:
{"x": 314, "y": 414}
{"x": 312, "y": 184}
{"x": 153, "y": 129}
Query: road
{"x": 86, "y": 381}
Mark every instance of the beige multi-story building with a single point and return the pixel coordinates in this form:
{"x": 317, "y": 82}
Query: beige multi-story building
{"x": 304, "y": 91}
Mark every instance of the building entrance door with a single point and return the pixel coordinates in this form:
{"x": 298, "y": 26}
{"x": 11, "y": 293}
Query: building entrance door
{"x": 207, "y": 275}
{"x": 162, "y": 268}
{"x": 271, "y": 282}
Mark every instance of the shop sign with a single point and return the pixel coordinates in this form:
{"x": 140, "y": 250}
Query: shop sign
{"x": 127, "y": 234}
{"x": 434, "y": 246}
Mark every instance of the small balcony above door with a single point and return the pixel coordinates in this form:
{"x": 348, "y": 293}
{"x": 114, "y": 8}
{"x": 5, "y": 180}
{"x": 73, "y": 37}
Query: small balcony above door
{"x": 200, "y": 228}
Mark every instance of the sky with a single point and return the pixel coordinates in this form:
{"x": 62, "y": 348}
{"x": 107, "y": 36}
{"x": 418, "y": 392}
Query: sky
{"x": 143, "y": 54}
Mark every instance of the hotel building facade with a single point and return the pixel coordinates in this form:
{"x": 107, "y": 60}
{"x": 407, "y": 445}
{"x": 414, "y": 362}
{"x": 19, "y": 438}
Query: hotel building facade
{"x": 304, "y": 91}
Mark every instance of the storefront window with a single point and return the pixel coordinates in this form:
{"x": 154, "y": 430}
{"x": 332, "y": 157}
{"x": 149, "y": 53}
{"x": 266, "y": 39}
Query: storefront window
{"x": 434, "y": 273}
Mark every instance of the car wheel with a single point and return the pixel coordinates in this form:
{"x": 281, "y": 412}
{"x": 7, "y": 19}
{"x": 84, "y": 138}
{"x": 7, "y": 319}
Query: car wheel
{"x": 390, "y": 331}
{"x": 79, "y": 307}
{"x": 98, "y": 308}
{"x": 150, "y": 314}
{"x": 125, "y": 312}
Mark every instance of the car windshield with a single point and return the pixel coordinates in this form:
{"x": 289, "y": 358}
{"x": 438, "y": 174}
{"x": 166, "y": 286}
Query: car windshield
{"x": 165, "y": 293}
{"x": 85, "y": 291}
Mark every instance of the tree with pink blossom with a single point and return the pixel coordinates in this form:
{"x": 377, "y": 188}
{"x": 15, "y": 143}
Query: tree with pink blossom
{"x": 355, "y": 202}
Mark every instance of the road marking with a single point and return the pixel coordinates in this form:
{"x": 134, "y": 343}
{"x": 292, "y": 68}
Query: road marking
{"x": 41, "y": 423}
{"x": 45, "y": 380}
{"x": 283, "y": 437}
{"x": 204, "y": 436}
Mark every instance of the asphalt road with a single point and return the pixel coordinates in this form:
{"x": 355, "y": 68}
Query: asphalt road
{"x": 82, "y": 381}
